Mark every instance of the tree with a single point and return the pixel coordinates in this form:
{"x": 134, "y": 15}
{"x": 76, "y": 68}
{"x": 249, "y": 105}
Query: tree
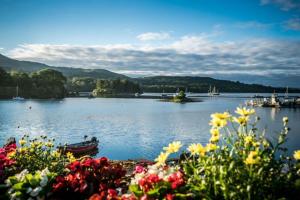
{"x": 5, "y": 79}
{"x": 48, "y": 83}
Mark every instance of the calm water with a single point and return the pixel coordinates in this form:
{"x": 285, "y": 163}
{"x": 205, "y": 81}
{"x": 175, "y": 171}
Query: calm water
{"x": 130, "y": 128}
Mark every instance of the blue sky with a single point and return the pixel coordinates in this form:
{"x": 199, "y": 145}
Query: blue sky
{"x": 151, "y": 37}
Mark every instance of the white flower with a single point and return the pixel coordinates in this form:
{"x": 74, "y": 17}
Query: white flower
{"x": 8, "y": 183}
{"x": 28, "y": 190}
{"x": 21, "y": 176}
{"x": 45, "y": 171}
{"x": 44, "y": 181}
{"x": 137, "y": 177}
{"x": 13, "y": 195}
{"x": 153, "y": 169}
{"x": 35, "y": 191}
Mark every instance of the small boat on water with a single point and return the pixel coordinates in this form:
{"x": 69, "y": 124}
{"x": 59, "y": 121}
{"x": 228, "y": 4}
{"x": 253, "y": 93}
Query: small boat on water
{"x": 17, "y": 97}
{"x": 81, "y": 147}
{"x": 213, "y": 92}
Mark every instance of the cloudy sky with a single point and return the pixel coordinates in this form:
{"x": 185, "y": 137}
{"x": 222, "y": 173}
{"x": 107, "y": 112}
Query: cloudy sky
{"x": 246, "y": 40}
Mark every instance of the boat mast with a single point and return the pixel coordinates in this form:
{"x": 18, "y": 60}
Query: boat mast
{"x": 286, "y": 95}
{"x": 17, "y": 90}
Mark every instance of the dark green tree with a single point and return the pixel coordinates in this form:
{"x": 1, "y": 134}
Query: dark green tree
{"x": 48, "y": 83}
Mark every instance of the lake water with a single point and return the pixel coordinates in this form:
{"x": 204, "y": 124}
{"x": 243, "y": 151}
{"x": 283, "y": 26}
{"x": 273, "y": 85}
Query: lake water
{"x": 131, "y": 128}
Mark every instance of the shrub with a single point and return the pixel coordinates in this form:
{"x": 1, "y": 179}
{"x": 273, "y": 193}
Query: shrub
{"x": 38, "y": 154}
{"x": 30, "y": 186}
{"x": 238, "y": 162}
{"x": 89, "y": 176}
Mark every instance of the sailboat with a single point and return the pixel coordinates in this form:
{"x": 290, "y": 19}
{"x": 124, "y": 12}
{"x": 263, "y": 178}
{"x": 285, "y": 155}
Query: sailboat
{"x": 213, "y": 92}
{"x": 17, "y": 98}
{"x": 288, "y": 101}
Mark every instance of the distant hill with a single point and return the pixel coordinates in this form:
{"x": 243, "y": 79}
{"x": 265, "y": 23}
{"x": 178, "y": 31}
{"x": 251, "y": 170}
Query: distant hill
{"x": 202, "y": 84}
{"x": 26, "y": 66}
{"x": 148, "y": 84}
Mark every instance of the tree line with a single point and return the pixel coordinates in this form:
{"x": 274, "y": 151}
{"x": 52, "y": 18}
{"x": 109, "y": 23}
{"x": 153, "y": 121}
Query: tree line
{"x": 42, "y": 84}
{"x": 116, "y": 86}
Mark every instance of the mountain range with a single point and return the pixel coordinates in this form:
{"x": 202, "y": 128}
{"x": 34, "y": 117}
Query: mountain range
{"x": 149, "y": 84}
{"x": 27, "y": 66}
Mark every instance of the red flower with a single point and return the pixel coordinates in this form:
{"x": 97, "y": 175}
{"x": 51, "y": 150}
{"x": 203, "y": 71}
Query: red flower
{"x": 153, "y": 178}
{"x": 176, "y": 179}
{"x": 74, "y": 165}
{"x": 169, "y": 197}
{"x": 112, "y": 194}
{"x": 103, "y": 161}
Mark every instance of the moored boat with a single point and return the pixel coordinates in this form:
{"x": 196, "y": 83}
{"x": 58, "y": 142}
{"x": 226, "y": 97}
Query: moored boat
{"x": 81, "y": 147}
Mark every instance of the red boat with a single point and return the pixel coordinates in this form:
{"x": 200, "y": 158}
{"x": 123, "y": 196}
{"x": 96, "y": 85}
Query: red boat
{"x": 81, "y": 147}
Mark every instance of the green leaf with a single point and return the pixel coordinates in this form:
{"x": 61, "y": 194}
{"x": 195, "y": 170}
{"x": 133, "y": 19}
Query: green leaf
{"x": 136, "y": 190}
{"x": 18, "y": 186}
{"x": 154, "y": 192}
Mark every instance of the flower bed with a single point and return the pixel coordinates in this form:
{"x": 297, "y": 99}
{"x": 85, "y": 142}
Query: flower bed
{"x": 238, "y": 162}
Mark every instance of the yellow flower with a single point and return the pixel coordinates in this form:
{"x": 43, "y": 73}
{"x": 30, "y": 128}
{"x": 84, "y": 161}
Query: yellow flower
{"x": 256, "y": 144}
{"x": 49, "y": 144}
{"x": 196, "y": 149}
{"x": 297, "y": 155}
{"x": 222, "y": 116}
{"x": 244, "y": 111}
{"x": 211, "y": 147}
{"x": 285, "y": 120}
{"x": 10, "y": 155}
{"x": 252, "y": 158}
{"x": 161, "y": 159}
{"x": 56, "y": 154}
{"x": 22, "y": 150}
{"x": 173, "y": 147}
{"x": 22, "y": 142}
{"x": 266, "y": 143}
{"x": 214, "y": 132}
{"x": 242, "y": 120}
{"x": 215, "y": 135}
{"x": 218, "y": 123}
{"x": 70, "y": 157}
{"x": 248, "y": 140}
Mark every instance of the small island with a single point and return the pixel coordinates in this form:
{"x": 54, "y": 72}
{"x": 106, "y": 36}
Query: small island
{"x": 179, "y": 97}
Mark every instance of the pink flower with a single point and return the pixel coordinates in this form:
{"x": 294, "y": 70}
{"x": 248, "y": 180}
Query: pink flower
{"x": 139, "y": 169}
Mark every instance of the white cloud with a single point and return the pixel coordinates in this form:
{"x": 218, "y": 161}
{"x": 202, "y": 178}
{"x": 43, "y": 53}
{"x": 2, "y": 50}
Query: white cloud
{"x": 293, "y": 24}
{"x": 252, "y": 24}
{"x": 153, "y": 36}
{"x": 284, "y": 5}
{"x": 190, "y": 55}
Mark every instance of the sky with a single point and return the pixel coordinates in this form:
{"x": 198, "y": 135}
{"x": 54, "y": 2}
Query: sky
{"x": 244, "y": 40}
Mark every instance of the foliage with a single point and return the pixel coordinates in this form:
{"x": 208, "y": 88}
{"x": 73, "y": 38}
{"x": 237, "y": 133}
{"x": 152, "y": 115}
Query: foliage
{"x": 201, "y": 84}
{"x": 180, "y": 97}
{"x": 46, "y": 83}
{"x": 27, "y": 185}
{"x": 89, "y": 176}
{"x": 117, "y": 86}
{"x": 239, "y": 163}
{"x": 5, "y": 78}
{"x": 38, "y": 154}
{"x": 81, "y": 84}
